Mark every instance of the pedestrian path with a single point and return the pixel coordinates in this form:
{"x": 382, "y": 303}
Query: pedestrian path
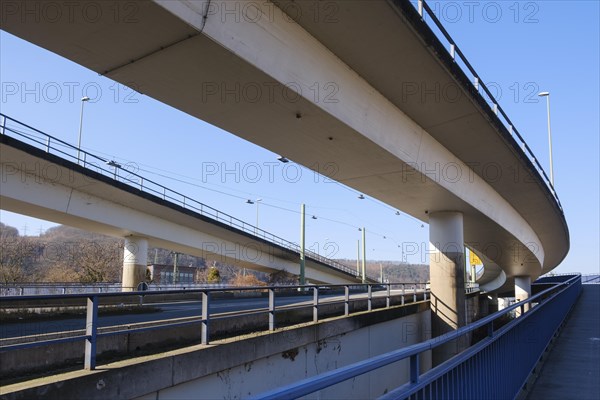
{"x": 572, "y": 369}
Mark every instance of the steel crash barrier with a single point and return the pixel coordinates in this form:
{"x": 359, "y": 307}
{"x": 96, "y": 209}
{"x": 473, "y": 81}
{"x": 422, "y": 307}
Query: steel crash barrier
{"x": 402, "y": 293}
{"x": 495, "y": 367}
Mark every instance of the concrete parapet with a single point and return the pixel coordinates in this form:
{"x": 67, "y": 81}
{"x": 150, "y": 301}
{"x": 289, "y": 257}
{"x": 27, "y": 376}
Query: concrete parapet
{"x": 286, "y": 352}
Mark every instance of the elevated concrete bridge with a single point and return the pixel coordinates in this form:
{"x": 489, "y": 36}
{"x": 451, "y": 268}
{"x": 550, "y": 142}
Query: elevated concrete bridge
{"x": 40, "y": 184}
{"x": 366, "y": 85}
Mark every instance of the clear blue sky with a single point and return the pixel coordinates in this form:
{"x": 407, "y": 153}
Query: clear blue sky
{"x": 520, "y": 48}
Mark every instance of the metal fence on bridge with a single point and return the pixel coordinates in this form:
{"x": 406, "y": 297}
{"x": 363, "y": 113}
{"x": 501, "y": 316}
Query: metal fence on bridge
{"x": 121, "y": 175}
{"x": 42, "y": 288}
{"x": 495, "y": 367}
{"x": 426, "y": 15}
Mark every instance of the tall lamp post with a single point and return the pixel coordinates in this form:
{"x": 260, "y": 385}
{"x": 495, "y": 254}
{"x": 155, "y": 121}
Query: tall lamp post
{"x": 257, "y": 203}
{"x": 252, "y": 202}
{"x": 83, "y": 100}
{"x": 302, "y": 245}
{"x": 364, "y": 256}
{"x": 547, "y": 96}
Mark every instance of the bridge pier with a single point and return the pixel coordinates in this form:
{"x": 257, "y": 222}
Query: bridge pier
{"x": 493, "y": 298}
{"x": 522, "y": 291}
{"x": 447, "y": 277}
{"x": 135, "y": 256}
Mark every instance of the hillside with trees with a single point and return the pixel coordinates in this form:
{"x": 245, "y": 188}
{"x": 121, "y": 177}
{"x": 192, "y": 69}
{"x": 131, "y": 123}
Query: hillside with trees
{"x": 66, "y": 254}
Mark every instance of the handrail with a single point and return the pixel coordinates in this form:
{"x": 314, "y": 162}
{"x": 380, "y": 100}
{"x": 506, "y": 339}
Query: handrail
{"x": 143, "y": 184}
{"x": 188, "y": 291}
{"x": 422, "y": 8}
{"x": 322, "y": 381}
{"x": 93, "y": 299}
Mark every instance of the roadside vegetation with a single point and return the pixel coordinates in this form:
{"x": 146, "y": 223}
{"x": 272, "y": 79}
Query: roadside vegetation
{"x": 64, "y": 254}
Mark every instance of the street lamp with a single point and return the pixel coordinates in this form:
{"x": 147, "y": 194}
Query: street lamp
{"x": 83, "y": 100}
{"x": 363, "y": 273}
{"x": 257, "y": 203}
{"x": 302, "y": 244}
{"x": 547, "y": 96}
{"x": 364, "y": 254}
{"x": 115, "y": 165}
{"x": 252, "y": 202}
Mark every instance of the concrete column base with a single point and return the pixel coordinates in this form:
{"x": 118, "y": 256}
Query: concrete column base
{"x": 447, "y": 275}
{"x": 522, "y": 291}
{"x": 135, "y": 257}
{"x": 493, "y": 303}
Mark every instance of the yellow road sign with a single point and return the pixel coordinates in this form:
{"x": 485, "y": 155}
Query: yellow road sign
{"x": 474, "y": 259}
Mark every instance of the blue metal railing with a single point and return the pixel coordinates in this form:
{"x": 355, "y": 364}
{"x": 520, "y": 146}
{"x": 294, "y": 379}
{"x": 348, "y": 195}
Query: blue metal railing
{"x": 585, "y": 278}
{"x": 590, "y": 279}
{"x": 495, "y": 367}
{"x": 98, "y": 164}
{"x": 404, "y": 291}
{"x": 454, "y": 51}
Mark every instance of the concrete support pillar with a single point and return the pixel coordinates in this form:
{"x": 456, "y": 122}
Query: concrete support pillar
{"x": 493, "y": 303}
{"x": 502, "y": 303}
{"x": 522, "y": 291}
{"x": 135, "y": 256}
{"x": 447, "y": 276}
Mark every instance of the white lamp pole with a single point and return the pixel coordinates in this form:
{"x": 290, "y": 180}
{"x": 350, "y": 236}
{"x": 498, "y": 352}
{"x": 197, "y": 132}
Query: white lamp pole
{"x": 547, "y": 96}
{"x": 302, "y": 244}
{"x": 83, "y": 100}
{"x": 257, "y": 203}
{"x": 364, "y": 255}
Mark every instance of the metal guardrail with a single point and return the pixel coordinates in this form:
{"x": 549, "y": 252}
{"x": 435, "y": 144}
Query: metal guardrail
{"x": 590, "y": 279}
{"x": 92, "y": 334}
{"x": 98, "y": 164}
{"x": 50, "y": 288}
{"x": 454, "y": 51}
{"x": 585, "y": 278}
{"x": 495, "y": 367}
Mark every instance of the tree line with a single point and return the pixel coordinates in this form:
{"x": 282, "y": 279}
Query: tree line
{"x": 66, "y": 254}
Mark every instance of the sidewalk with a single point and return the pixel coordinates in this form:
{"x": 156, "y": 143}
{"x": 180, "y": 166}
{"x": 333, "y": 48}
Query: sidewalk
{"x": 572, "y": 369}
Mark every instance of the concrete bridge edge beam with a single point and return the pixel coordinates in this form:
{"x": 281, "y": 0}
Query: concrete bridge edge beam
{"x": 135, "y": 257}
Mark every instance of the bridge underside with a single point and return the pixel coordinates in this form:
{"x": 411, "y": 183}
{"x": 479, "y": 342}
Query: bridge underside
{"x": 44, "y": 186}
{"x": 391, "y": 110}
{"x": 309, "y": 89}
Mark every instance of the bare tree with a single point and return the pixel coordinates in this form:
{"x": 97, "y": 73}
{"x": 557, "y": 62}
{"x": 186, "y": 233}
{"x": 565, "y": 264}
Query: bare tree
{"x": 85, "y": 261}
{"x": 98, "y": 261}
{"x": 247, "y": 280}
{"x": 59, "y": 271}
{"x": 282, "y": 277}
{"x": 16, "y": 258}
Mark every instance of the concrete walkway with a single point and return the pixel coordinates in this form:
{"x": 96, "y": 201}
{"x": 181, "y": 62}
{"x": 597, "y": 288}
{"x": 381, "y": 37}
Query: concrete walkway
{"x": 572, "y": 369}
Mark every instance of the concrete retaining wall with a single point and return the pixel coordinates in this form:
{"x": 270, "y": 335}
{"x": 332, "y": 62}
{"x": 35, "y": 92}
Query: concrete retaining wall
{"x": 239, "y": 368}
{"x": 52, "y": 357}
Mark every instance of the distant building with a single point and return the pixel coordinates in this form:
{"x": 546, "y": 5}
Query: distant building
{"x": 163, "y": 274}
